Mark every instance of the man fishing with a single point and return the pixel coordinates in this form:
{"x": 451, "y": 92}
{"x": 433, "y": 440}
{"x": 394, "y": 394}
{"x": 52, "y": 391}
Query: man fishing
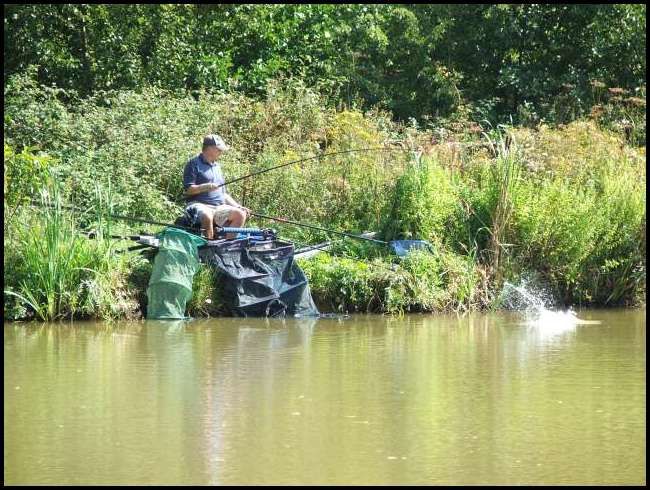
{"x": 208, "y": 201}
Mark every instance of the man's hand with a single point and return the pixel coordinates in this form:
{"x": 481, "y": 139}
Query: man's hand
{"x": 248, "y": 211}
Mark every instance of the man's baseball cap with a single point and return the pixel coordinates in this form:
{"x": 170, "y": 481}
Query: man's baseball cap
{"x": 215, "y": 140}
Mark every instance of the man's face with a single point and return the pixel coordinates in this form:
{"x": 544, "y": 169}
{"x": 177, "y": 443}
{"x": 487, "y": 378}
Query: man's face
{"x": 212, "y": 153}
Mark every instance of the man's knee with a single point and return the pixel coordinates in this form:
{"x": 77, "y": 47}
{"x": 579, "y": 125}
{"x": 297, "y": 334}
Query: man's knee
{"x": 237, "y": 217}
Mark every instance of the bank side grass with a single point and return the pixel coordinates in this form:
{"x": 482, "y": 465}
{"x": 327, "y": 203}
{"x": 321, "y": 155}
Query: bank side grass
{"x": 567, "y": 204}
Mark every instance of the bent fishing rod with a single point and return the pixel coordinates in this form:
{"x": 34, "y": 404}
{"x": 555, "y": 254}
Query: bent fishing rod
{"x": 317, "y": 157}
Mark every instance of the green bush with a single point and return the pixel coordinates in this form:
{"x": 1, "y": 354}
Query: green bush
{"x": 582, "y": 226}
{"x": 422, "y": 202}
{"x": 421, "y": 282}
{"x": 568, "y": 205}
{"x": 25, "y": 175}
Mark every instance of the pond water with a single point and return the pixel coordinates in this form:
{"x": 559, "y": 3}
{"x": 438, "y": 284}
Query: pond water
{"x": 430, "y": 399}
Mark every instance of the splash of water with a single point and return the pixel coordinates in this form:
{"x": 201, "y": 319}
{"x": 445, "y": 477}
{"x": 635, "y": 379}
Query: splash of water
{"x": 535, "y": 306}
{"x": 520, "y": 298}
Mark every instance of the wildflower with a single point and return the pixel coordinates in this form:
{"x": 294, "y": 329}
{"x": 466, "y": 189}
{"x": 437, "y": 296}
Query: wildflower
{"x": 617, "y": 91}
{"x": 596, "y": 111}
{"x": 474, "y": 128}
{"x": 636, "y": 101}
{"x": 456, "y": 127}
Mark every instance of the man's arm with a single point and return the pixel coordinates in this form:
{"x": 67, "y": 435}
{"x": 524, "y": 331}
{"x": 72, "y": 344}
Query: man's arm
{"x": 194, "y": 189}
{"x": 229, "y": 200}
{"x": 189, "y": 181}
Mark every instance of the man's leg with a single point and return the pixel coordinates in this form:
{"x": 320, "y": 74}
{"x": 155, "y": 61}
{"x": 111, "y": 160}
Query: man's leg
{"x": 231, "y": 215}
{"x": 237, "y": 218}
{"x": 201, "y": 215}
{"x": 205, "y": 214}
{"x": 207, "y": 224}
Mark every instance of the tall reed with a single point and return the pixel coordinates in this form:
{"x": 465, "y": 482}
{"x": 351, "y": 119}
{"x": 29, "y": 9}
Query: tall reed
{"x": 56, "y": 270}
{"x": 504, "y": 179}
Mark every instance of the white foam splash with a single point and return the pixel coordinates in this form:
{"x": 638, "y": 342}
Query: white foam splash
{"x": 524, "y": 298}
{"x": 546, "y": 322}
{"x": 559, "y": 319}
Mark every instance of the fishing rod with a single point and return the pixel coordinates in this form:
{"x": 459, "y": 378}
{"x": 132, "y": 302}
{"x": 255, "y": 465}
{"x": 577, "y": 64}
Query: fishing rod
{"x": 310, "y": 158}
{"x": 313, "y": 227}
{"x": 400, "y": 247}
{"x": 93, "y": 234}
{"x": 116, "y": 216}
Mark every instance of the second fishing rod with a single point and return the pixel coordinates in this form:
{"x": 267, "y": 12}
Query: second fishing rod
{"x": 92, "y": 234}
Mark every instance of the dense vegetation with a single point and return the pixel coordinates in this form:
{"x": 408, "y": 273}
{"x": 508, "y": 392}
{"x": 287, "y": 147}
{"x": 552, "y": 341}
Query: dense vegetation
{"x": 103, "y": 112}
{"x": 527, "y": 61}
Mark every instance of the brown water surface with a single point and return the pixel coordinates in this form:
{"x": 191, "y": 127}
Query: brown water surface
{"x": 483, "y": 398}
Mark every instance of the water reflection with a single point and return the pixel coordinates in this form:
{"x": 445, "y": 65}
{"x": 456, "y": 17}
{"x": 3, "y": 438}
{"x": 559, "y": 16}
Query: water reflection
{"x": 368, "y": 399}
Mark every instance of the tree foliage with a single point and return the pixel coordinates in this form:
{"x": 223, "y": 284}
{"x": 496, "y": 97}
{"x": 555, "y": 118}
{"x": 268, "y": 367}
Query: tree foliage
{"x": 416, "y": 60}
